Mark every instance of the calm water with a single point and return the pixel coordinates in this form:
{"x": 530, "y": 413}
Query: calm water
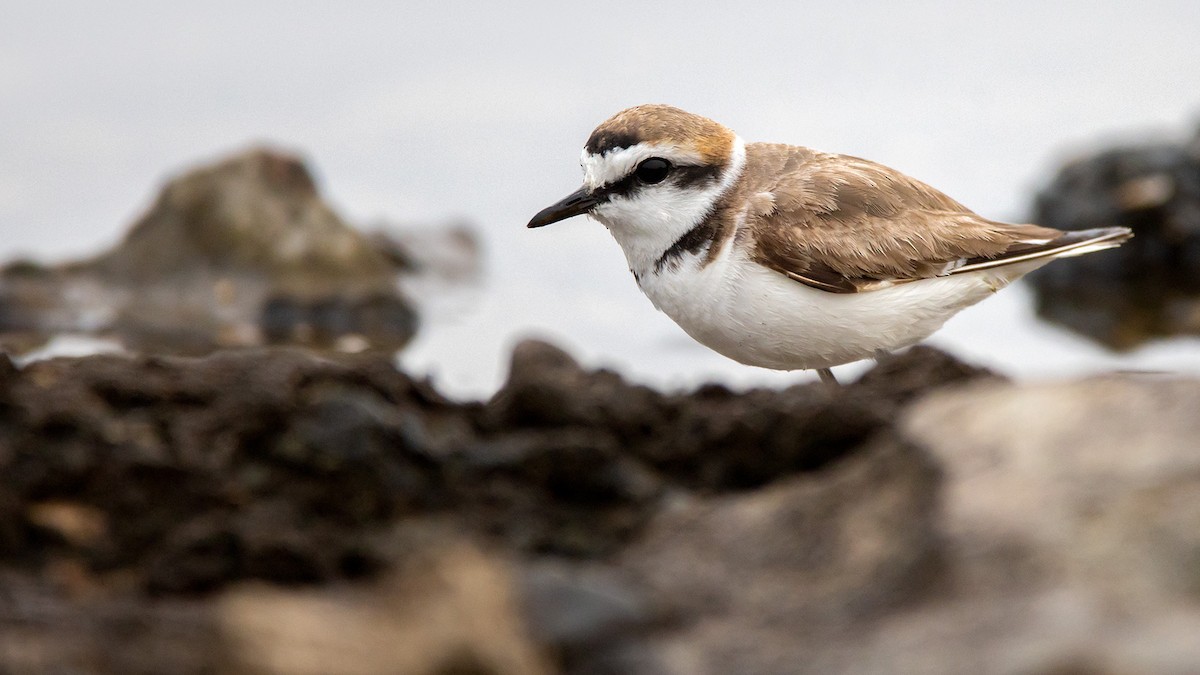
{"x": 429, "y": 112}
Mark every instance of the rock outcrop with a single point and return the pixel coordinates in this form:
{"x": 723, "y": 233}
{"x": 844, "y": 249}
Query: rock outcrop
{"x": 276, "y": 512}
{"x": 241, "y": 252}
{"x": 1150, "y": 286}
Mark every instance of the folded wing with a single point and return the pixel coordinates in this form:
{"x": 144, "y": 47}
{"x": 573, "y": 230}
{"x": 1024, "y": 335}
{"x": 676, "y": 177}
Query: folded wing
{"x": 847, "y": 225}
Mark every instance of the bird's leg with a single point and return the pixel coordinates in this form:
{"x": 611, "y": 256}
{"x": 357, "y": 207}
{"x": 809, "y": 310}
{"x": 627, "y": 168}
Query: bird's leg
{"x": 827, "y": 377}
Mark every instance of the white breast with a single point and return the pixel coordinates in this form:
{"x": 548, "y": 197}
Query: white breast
{"x": 760, "y": 317}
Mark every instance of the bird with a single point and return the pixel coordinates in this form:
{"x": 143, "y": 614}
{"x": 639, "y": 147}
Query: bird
{"x": 789, "y": 258}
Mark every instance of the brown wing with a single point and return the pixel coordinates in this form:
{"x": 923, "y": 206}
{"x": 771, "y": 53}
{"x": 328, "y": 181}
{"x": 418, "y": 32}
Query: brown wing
{"x": 845, "y": 225}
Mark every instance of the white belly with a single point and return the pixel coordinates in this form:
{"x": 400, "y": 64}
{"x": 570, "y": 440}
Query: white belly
{"x": 761, "y": 318}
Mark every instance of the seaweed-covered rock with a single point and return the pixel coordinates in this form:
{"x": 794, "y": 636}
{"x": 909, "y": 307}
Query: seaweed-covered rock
{"x": 1150, "y": 286}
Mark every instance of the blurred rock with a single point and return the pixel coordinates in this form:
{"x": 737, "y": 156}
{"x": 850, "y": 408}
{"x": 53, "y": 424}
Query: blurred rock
{"x": 1150, "y": 286}
{"x": 453, "y": 611}
{"x": 237, "y": 253}
{"x": 576, "y": 609}
{"x": 338, "y": 322}
{"x": 757, "y": 581}
{"x": 46, "y": 630}
{"x": 1007, "y": 529}
{"x": 1070, "y": 511}
{"x": 930, "y": 518}
{"x": 1092, "y": 475}
{"x": 257, "y": 212}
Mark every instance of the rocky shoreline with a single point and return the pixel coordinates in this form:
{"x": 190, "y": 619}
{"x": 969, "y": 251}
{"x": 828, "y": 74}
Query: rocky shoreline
{"x": 253, "y": 486}
{"x": 274, "y": 511}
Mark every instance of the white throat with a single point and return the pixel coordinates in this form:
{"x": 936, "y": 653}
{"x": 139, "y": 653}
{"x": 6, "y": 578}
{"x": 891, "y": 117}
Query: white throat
{"x": 652, "y": 220}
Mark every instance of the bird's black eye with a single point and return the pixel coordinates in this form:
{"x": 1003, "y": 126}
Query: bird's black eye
{"x": 653, "y": 170}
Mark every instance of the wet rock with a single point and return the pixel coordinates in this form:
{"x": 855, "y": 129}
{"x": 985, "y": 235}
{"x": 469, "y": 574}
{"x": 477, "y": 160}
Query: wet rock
{"x": 1148, "y": 287}
{"x": 236, "y": 253}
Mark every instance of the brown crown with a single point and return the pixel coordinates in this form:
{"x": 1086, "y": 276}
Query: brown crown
{"x": 665, "y": 125}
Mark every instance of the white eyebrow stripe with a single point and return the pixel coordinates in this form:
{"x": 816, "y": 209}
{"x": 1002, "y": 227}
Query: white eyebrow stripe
{"x": 601, "y": 170}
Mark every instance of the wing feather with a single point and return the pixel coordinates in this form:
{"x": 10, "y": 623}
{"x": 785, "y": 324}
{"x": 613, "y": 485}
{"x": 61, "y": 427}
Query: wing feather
{"x": 845, "y": 225}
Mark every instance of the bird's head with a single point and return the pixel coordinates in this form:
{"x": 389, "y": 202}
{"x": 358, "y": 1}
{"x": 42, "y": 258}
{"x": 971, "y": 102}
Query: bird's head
{"x": 652, "y": 171}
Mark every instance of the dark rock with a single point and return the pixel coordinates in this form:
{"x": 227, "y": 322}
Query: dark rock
{"x": 599, "y": 497}
{"x": 547, "y": 388}
{"x": 561, "y": 460}
{"x": 577, "y": 610}
{"x": 284, "y": 319}
{"x": 906, "y": 376}
{"x": 632, "y": 527}
{"x": 44, "y": 630}
{"x": 8, "y": 371}
{"x": 159, "y": 443}
{"x": 378, "y": 319}
{"x": 714, "y": 439}
{"x": 383, "y": 318}
{"x": 1150, "y": 286}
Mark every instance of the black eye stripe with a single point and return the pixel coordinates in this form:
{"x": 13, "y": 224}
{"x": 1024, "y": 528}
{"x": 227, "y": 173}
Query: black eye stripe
{"x": 686, "y": 176}
{"x": 621, "y": 188}
{"x": 681, "y": 176}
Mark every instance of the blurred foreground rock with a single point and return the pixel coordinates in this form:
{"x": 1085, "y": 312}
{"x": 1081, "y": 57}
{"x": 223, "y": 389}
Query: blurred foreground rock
{"x": 274, "y": 512}
{"x": 1150, "y": 286}
{"x": 241, "y": 252}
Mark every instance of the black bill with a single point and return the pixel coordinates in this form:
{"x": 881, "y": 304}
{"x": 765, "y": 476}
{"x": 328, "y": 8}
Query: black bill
{"x": 574, "y": 204}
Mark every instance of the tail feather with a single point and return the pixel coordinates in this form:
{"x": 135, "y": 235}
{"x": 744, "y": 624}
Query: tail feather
{"x": 1069, "y": 244}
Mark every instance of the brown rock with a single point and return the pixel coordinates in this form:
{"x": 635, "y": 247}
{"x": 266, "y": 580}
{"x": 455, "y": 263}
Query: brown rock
{"x": 1093, "y": 475}
{"x": 451, "y": 611}
{"x": 258, "y": 212}
{"x": 230, "y": 254}
{"x": 1072, "y": 513}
